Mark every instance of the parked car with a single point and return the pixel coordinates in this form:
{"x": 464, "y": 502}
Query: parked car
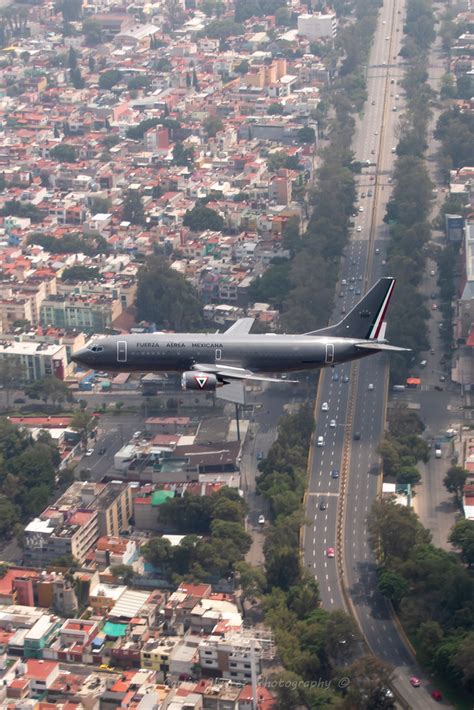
{"x": 261, "y": 520}
{"x": 89, "y": 452}
{"x": 415, "y": 682}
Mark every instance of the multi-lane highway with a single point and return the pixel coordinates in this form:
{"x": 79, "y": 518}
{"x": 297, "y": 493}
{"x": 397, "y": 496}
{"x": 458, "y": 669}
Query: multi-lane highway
{"x": 350, "y": 408}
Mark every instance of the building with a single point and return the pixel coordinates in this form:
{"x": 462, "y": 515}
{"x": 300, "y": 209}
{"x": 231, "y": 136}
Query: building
{"x": 318, "y": 26}
{"x": 231, "y": 656}
{"x": 60, "y": 533}
{"x": 89, "y": 313}
{"x": 72, "y": 525}
{"x": 33, "y": 361}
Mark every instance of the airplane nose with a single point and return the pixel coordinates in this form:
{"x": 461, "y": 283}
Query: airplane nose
{"x": 81, "y": 356}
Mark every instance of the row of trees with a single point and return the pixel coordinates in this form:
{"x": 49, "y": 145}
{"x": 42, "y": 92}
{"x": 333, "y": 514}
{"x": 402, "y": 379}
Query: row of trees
{"x": 430, "y": 588}
{"x": 402, "y": 446}
{"x": 408, "y": 210}
{"x": 312, "y": 642}
{"x": 215, "y": 538}
{"x": 90, "y": 243}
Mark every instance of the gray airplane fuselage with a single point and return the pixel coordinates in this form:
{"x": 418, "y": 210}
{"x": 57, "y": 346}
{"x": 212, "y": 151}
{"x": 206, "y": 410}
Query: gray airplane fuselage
{"x": 179, "y": 352}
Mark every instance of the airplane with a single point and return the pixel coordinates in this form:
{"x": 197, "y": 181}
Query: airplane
{"x": 208, "y": 361}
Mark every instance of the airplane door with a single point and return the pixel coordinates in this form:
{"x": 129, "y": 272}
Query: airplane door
{"x": 218, "y": 354}
{"x": 121, "y": 351}
{"x": 329, "y": 354}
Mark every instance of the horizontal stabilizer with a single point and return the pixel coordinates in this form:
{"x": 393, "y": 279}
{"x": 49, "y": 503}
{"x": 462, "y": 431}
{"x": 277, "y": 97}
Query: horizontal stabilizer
{"x": 375, "y": 345}
{"x": 240, "y": 327}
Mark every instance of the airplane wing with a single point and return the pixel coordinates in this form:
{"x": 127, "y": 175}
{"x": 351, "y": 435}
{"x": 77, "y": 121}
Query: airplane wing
{"x": 236, "y": 373}
{"x": 240, "y": 327}
{"x": 375, "y": 345}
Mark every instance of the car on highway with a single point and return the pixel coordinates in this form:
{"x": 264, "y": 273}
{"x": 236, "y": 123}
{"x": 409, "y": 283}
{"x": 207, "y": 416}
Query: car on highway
{"x": 358, "y": 292}
{"x": 335, "y": 376}
{"x": 89, "y": 452}
{"x": 415, "y": 682}
{"x": 434, "y": 307}
{"x": 357, "y": 436}
{"x": 332, "y": 423}
{"x": 436, "y": 695}
{"x": 325, "y": 407}
{"x": 102, "y": 451}
{"x": 345, "y": 378}
{"x": 330, "y": 552}
{"x": 343, "y": 310}
{"x": 351, "y": 287}
{"x": 261, "y": 520}
{"x": 335, "y": 473}
{"x": 322, "y": 504}
{"x": 320, "y": 441}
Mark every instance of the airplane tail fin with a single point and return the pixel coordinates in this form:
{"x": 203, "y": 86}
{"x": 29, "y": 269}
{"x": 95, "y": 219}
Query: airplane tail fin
{"x": 366, "y": 319}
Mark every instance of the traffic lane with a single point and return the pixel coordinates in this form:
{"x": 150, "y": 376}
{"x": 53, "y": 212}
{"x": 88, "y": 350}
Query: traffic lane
{"x": 319, "y": 537}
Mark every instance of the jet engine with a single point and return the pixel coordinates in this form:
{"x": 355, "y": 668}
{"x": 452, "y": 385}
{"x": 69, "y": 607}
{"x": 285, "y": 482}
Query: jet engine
{"x": 199, "y": 381}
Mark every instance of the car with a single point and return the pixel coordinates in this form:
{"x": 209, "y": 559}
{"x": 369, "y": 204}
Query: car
{"x": 358, "y": 292}
{"x": 322, "y": 504}
{"x": 369, "y": 193}
{"x": 363, "y": 194}
{"x": 433, "y": 295}
{"x": 335, "y": 376}
{"x": 376, "y": 133}
{"x": 436, "y": 695}
{"x": 89, "y": 452}
{"x": 102, "y": 374}
{"x": 387, "y": 37}
{"x": 353, "y": 262}
{"x": 342, "y": 294}
{"x": 261, "y": 520}
{"x": 352, "y": 279}
{"x": 105, "y": 667}
{"x": 432, "y": 273}
{"x": 387, "y": 693}
{"x": 438, "y": 452}
{"x": 371, "y": 387}
{"x": 102, "y": 451}
{"x": 434, "y": 307}
{"x": 394, "y": 150}
{"x": 351, "y": 287}
{"x": 330, "y": 552}
{"x": 344, "y": 282}
{"x": 373, "y": 151}
{"x": 260, "y": 456}
{"x": 325, "y": 407}
{"x": 384, "y": 22}
{"x": 415, "y": 682}
{"x": 332, "y": 423}
{"x": 359, "y": 229}
{"x": 373, "y": 103}
{"x": 335, "y": 473}
{"x": 371, "y": 178}
{"x": 343, "y": 310}
{"x": 19, "y": 400}
{"x": 390, "y": 180}
{"x": 345, "y": 378}
{"x": 394, "y": 108}
{"x": 320, "y": 441}
{"x": 377, "y": 251}
{"x": 357, "y": 436}
{"x": 137, "y": 435}
{"x": 442, "y": 378}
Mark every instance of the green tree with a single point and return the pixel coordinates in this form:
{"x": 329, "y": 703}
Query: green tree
{"x": 394, "y": 530}
{"x": 454, "y": 482}
{"x": 72, "y": 59}
{"x": 123, "y": 572}
{"x": 63, "y": 153}
{"x": 165, "y": 298}
{"x": 83, "y": 422}
{"x": 138, "y": 82}
{"x": 76, "y": 78}
{"x": 109, "y": 79}
{"x": 369, "y": 677}
{"x": 8, "y": 517}
{"x": 182, "y": 156}
{"x": 464, "y": 659}
{"x": 133, "y": 210}
{"x": 243, "y": 67}
{"x": 251, "y": 580}
{"x": 306, "y": 135}
{"x": 393, "y": 586}
{"x": 212, "y": 125}
{"x": 462, "y": 537}
{"x": 276, "y": 109}
{"x": 201, "y": 217}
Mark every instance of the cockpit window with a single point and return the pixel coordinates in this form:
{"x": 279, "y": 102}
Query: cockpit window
{"x": 95, "y": 348}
